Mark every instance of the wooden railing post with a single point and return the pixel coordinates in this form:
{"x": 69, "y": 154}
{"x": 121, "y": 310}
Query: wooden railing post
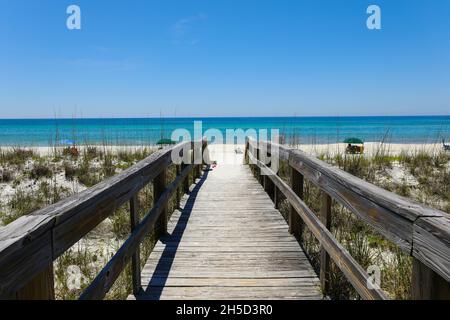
{"x": 427, "y": 284}
{"x": 41, "y": 287}
{"x": 276, "y": 196}
{"x": 273, "y": 191}
{"x": 198, "y": 161}
{"x": 197, "y": 171}
{"x": 246, "y": 161}
{"x": 194, "y": 168}
{"x": 159, "y": 186}
{"x": 269, "y": 187}
{"x": 204, "y": 153}
{"x": 186, "y": 183}
{"x": 258, "y": 169}
{"x": 194, "y": 173}
{"x": 136, "y": 257}
{"x": 296, "y": 224}
{"x": 325, "y": 217}
{"x": 267, "y": 184}
{"x": 178, "y": 194}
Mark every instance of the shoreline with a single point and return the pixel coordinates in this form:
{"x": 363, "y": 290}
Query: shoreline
{"x": 370, "y": 148}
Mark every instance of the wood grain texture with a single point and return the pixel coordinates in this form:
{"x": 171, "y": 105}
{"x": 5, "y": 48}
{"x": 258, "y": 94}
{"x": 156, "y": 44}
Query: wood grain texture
{"x": 136, "y": 257}
{"x": 297, "y": 185}
{"x": 32, "y": 242}
{"x": 106, "y": 278}
{"x": 41, "y": 287}
{"x": 422, "y": 231}
{"x": 228, "y": 242}
{"x": 159, "y": 187}
{"x": 354, "y": 273}
{"x": 427, "y": 284}
{"x": 325, "y": 218}
{"x": 431, "y": 244}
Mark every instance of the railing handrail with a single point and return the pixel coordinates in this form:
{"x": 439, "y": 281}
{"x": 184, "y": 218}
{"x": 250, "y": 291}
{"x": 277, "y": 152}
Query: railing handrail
{"x": 107, "y": 276}
{"x": 32, "y": 242}
{"x": 404, "y": 207}
{"x": 421, "y": 231}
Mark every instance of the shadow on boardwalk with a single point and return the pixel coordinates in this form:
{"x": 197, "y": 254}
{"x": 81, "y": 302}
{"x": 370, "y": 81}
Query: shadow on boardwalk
{"x": 159, "y": 278}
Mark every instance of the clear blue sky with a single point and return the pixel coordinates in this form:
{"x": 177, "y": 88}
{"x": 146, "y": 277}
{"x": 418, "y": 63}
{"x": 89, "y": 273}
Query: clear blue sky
{"x": 224, "y": 58}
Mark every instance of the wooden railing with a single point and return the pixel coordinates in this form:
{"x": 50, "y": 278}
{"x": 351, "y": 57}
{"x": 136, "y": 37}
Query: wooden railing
{"x": 422, "y": 232}
{"x": 29, "y": 245}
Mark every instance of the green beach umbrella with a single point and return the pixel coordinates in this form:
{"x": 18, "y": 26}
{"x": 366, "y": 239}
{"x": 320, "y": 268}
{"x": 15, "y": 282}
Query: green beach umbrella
{"x": 353, "y": 141}
{"x": 165, "y": 142}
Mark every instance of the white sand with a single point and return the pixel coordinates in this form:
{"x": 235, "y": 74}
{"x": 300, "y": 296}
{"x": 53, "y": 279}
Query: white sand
{"x": 315, "y": 149}
{"x": 227, "y": 152}
{"x": 371, "y": 148}
{"x": 45, "y": 151}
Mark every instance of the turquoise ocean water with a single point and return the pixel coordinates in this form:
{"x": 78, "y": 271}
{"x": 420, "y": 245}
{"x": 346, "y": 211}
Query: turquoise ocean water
{"x": 143, "y": 131}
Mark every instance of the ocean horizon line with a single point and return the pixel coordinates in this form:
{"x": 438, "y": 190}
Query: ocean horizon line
{"x": 131, "y": 131}
{"x": 226, "y": 117}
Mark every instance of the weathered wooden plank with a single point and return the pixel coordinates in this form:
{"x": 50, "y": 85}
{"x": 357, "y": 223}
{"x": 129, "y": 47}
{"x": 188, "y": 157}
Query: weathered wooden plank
{"x": 65, "y": 222}
{"x": 225, "y": 238}
{"x": 281, "y": 151}
{"x": 178, "y": 194}
{"x": 231, "y": 282}
{"x": 388, "y": 213}
{"x": 402, "y": 206}
{"x": 16, "y": 271}
{"x": 217, "y": 261}
{"x": 41, "y": 287}
{"x": 232, "y": 293}
{"x": 167, "y": 266}
{"x": 159, "y": 187}
{"x": 427, "y": 284}
{"x": 431, "y": 244}
{"x": 325, "y": 218}
{"x": 390, "y": 224}
{"x": 88, "y": 211}
{"x": 227, "y": 273}
{"x": 214, "y": 255}
{"x": 403, "y": 221}
{"x": 346, "y": 263}
{"x": 295, "y": 223}
{"x": 186, "y": 182}
{"x": 106, "y": 278}
{"x": 136, "y": 257}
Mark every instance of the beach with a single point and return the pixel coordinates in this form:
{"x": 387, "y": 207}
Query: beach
{"x": 218, "y": 153}
{"x": 33, "y": 178}
{"x": 370, "y": 148}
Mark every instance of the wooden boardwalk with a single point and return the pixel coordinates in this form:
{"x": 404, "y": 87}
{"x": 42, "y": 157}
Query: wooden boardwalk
{"x": 228, "y": 242}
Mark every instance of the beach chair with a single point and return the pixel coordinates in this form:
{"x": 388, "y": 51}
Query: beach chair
{"x": 354, "y": 146}
{"x": 353, "y": 149}
{"x": 446, "y": 146}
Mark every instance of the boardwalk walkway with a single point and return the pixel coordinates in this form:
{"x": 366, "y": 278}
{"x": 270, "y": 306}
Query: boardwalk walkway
{"x": 228, "y": 242}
